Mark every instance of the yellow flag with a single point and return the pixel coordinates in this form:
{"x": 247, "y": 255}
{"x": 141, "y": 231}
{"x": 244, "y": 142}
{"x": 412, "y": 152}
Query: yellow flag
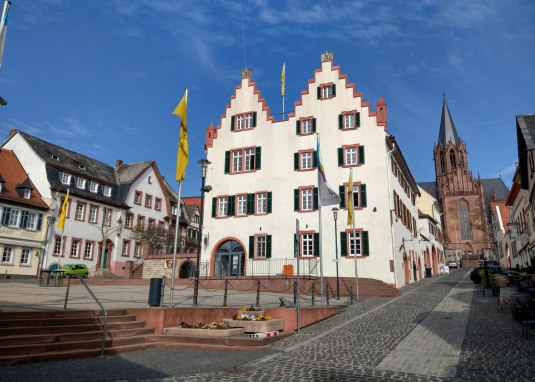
{"x": 350, "y": 207}
{"x": 61, "y": 220}
{"x": 182, "y": 154}
{"x": 282, "y": 78}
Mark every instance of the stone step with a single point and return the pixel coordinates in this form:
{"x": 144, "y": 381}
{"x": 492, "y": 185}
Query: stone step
{"x": 69, "y": 329}
{"x": 61, "y": 321}
{"x": 242, "y": 341}
{"x": 67, "y": 337}
{"x": 60, "y": 314}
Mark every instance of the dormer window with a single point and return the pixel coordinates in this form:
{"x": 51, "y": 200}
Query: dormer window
{"x": 27, "y": 193}
{"x": 65, "y": 178}
{"x": 106, "y": 191}
{"x": 80, "y": 183}
{"x": 55, "y": 157}
{"x": 93, "y": 187}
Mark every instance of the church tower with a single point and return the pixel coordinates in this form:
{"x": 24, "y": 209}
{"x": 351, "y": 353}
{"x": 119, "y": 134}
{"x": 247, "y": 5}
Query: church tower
{"x": 460, "y": 195}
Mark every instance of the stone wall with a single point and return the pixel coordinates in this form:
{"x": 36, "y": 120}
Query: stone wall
{"x": 156, "y": 267}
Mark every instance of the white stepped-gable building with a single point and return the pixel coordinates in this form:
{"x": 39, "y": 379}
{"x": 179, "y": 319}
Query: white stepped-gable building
{"x": 263, "y": 176}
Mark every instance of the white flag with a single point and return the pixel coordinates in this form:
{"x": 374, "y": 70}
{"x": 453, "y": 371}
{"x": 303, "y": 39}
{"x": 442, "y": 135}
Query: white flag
{"x": 326, "y": 195}
{"x": 3, "y": 30}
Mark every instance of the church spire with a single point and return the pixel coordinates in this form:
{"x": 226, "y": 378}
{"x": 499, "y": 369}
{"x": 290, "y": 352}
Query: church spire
{"x": 447, "y": 127}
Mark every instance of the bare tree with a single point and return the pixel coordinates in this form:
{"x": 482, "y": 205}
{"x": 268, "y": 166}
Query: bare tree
{"x": 155, "y": 237}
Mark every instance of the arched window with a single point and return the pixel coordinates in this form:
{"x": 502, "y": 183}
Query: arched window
{"x": 464, "y": 220}
{"x": 442, "y": 163}
{"x": 452, "y": 160}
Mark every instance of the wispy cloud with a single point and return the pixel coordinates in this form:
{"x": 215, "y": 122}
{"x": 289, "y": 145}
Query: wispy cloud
{"x": 507, "y": 172}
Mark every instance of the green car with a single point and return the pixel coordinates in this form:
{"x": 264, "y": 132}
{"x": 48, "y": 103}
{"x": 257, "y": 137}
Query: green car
{"x": 74, "y": 270}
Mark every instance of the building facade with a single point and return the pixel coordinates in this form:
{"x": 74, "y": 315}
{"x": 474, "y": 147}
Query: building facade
{"x": 264, "y": 180}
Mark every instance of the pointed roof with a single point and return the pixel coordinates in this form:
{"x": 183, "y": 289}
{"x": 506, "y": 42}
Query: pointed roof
{"x": 447, "y": 127}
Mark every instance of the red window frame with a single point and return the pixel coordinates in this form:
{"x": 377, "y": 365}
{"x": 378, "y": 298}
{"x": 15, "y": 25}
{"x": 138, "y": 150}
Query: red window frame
{"x": 138, "y": 197}
{"x": 356, "y": 147}
{"x": 158, "y": 204}
{"x": 148, "y": 201}
{"x": 351, "y": 112}
{"x": 299, "y": 156}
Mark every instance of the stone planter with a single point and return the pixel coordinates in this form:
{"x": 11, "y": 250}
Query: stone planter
{"x": 192, "y": 332}
{"x": 255, "y": 313}
{"x": 255, "y": 326}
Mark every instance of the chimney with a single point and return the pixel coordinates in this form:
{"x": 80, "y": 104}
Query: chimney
{"x": 12, "y": 132}
{"x": 118, "y": 163}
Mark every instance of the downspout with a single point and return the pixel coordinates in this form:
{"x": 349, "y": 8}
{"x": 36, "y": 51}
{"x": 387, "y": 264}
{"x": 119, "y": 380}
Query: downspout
{"x": 389, "y": 156}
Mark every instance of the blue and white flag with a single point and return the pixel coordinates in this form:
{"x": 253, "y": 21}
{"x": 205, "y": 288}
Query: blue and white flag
{"x": 3, "y": 29}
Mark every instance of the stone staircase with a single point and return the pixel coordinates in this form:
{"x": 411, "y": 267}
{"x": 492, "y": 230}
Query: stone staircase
{"x": 47, "y": 336}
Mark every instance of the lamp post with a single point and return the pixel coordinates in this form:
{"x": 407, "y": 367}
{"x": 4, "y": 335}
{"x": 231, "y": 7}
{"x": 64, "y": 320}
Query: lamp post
{"x": 204, "y": 165}
{"x": 335, "y": 216}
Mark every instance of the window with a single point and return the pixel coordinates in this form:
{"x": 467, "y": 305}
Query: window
{"x": 138, "y": 249}
{"x": 106, "y": 191}
{"x": 348, "y": 120}
{"x": 305, "y": 126}
{"x": 32, "y": 221}
{"x": 128, "y": 220}
{"x": 25, "y": 257}
{"x": 262, "y": 203}
{"x": 93, "y": 187}
{"x": 354, "y": 243}
{"x": 75, "y": 248}
{"x": 464, "y": 220}
{"x": 137, "y": 197}
{"x": 261, "y": 247}
{"x": 14, "y": 218}
{"x": 307, "y": 244}
{"x": 93, "y": 214}
{"x": 351, "y": 155}
{"x": 65, "y": 178}
{"x": 359, "y": 196}
{"x": 305, "y": 199}
{"x": 442, "y": 163}
{"x": 242, "y": 160}
{"x": 57, "y": 246}
{"x": 453, "y": 160}
{"x": 80, "y": 210}
{"x": 222, "y": 207}
{"x": 80, "y": 183}
{"x": 307, "y": 160}
{"x": 7, "y": 255}
{"x": 158, "y": 204}
{"x": 174, "y": 210}
{"x": 140, "y": 221}
{"x": 126, "y": 248}
{"x": 244, "y": 121}
{"x": 148, "y": 201}
{"x": 326, "y": 91}
{"x": 27, "y": 193}
{"x": 152, "y": 223}
{"x": 242, "y": 205}
{"x": 88, "y": 251}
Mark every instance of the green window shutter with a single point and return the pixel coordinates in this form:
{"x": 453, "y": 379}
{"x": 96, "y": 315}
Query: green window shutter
{"x": 268, "y": 246}
{"x": 358, "y": 119}
{"x": 340, "y": 156}
{"x": 296, "y": 199}
{"x": 214, "y": 205}
{"x": 343, "y": 243}
{"x": 315, "y": 159}
{"x": 361, "y": 155}
{"x": 250, "y": 204}
{"x": 334, "y": 90}
{"x": 340, "y": 121}
{"x": 227, "y": 162}
{"x": 365, "y": 244}
{"x": 258, "y": 158}
{"x": 251, "y": 247}
{"x": 296, "y": 161}
{"x": 296, "y": 243}
{"x": 363, "y": 199}
{"x": 313, "y": 125}
{"x": 316, "y": 198}
{"x": 316, "y": 244}
{"x": 319, "y": 92}
{"x": 269, "y": 202}
{"x": 254, "y": 119}
{"x": 297, "y": 127}
{"x": 231, "y": 205}
{"x": 232, "y": 122}
{"x": 342, "y": 192}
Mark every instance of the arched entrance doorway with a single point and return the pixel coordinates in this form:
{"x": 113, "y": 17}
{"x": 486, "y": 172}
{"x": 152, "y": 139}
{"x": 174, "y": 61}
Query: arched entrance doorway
{"x": 435, "y": 260}
{"x": 229, "y": 259}
{"x": 420, "y": 274}
{"x": 186, "y": 270}
{"x": 406, "y": 268}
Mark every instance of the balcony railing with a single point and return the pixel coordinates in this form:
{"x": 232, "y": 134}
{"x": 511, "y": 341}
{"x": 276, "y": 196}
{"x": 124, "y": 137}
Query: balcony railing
{"x": 271, "y": 267}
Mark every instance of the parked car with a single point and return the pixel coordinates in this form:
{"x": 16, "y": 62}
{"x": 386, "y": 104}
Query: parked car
{"x": 74, "y": 270}
{"x": 453, "y": 264}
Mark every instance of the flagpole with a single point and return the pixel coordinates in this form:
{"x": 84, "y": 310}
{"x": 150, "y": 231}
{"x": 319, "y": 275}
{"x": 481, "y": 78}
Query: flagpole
{"x": 178, "y": 213}
{"x": 283, "y": 85}
{"x": 321, "y": 259}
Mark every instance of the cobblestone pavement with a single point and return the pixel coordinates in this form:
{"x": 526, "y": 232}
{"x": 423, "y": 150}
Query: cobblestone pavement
{"x": 348, "y": 347}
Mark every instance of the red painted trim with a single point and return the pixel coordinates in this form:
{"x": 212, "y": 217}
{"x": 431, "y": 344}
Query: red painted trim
{"x": 96, "y": 214}
{"x": 356, "y": 146}
{"x": 256, "y": 204}
{"x": 256, "y": 235}
{"x": 84, "y": 210}
{"x": 236, "y": 206}
{"x": 242, "y": 149}
{"x": 136, "y": 194}
{"x": 301, "y": 188}
{"x": 148, "y": 197}
{"x": 216, "y": 246}
{"x": 138, "y": 245}
{"x": 127, "y": 243}
{"x": 307, "y": 232}
{"x": 92, "y": 249}
{"x": 299, "y": 153}
{"x": 348, "y": 242}
{"x": 217, "y": 216}
{"x": 156, "y": 201}
{"x": 80, "y": 241}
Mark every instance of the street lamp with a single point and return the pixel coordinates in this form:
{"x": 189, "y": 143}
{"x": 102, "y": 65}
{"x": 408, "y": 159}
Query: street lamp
{"x": 335, "y": 216}
{"x": 204, "y": 166}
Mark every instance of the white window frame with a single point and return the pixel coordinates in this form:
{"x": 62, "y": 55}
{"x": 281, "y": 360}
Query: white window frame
{"x": 106, "y": 191}
{"x": 88, "y": 250}
{"x": 26, "y": 257}
{"x": 249, "y": 159}
{"x": 261, "y": 203}
{"x": 306, "y": 126}
{"x": 237, "y": 161}
{"x": 80, "y": 211}
{"x": 80, "y": 183}
{"x": 7, "y": 255}
{"x": 93, "y": 214}
{"x": 57, "y": 245}
{"x": 307, "y": 244}
{"x": 351, "y": 155}
{"x": 305, "y": 160}
{"x": 14, "y": 218}
{"x": 241, "y": 205}
{"x": 350, "y": 120}
{"x": 93, "y": 187}
{"x": 75, "y": 248}
{"x": 31, "y": 223}
{"x": 354, "y": 241}
{"x": 249, "y": 120}
{"x": 326, "y": 91}
{"x": 27, "y": 193}
{"x": 222, "y": 206}
{"x": 261, "y": 246}
{"x": 307, "y": 199}
{"x": 65, "y": 178}
{"x": 240, "y": 122}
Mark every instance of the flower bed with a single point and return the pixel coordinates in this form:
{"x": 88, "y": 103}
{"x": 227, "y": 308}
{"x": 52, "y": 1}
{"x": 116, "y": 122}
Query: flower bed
{"x": 213, "y": 329}
{"x": 255, "y": 326}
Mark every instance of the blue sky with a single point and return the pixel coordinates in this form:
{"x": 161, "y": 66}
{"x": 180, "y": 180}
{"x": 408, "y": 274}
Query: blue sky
{"x": 102, "y": 77}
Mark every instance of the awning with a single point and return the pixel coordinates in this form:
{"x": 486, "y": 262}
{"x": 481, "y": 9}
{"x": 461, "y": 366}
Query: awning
{"x": 22, "y": 243}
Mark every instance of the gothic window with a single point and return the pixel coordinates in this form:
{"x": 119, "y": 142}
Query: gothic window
{"x": 452, "y": 160}
{"x": 464, "y": 220}
{"x": 442, "y": 163}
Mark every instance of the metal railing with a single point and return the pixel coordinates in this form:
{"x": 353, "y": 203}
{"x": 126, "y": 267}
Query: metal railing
{"x": 102, "y": 308}
{"x": 271, "y": 267}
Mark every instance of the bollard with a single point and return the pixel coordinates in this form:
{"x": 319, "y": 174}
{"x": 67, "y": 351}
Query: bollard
{"x": 295, "y": 292}
{"x": 67, "y": 293}
{"x": 313, "y": 293}
{"x": 327, "y": 294}
{"x": 226, "y": 293}
{"x": 163, "y": 291}
{"x": 258, "y": 294}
